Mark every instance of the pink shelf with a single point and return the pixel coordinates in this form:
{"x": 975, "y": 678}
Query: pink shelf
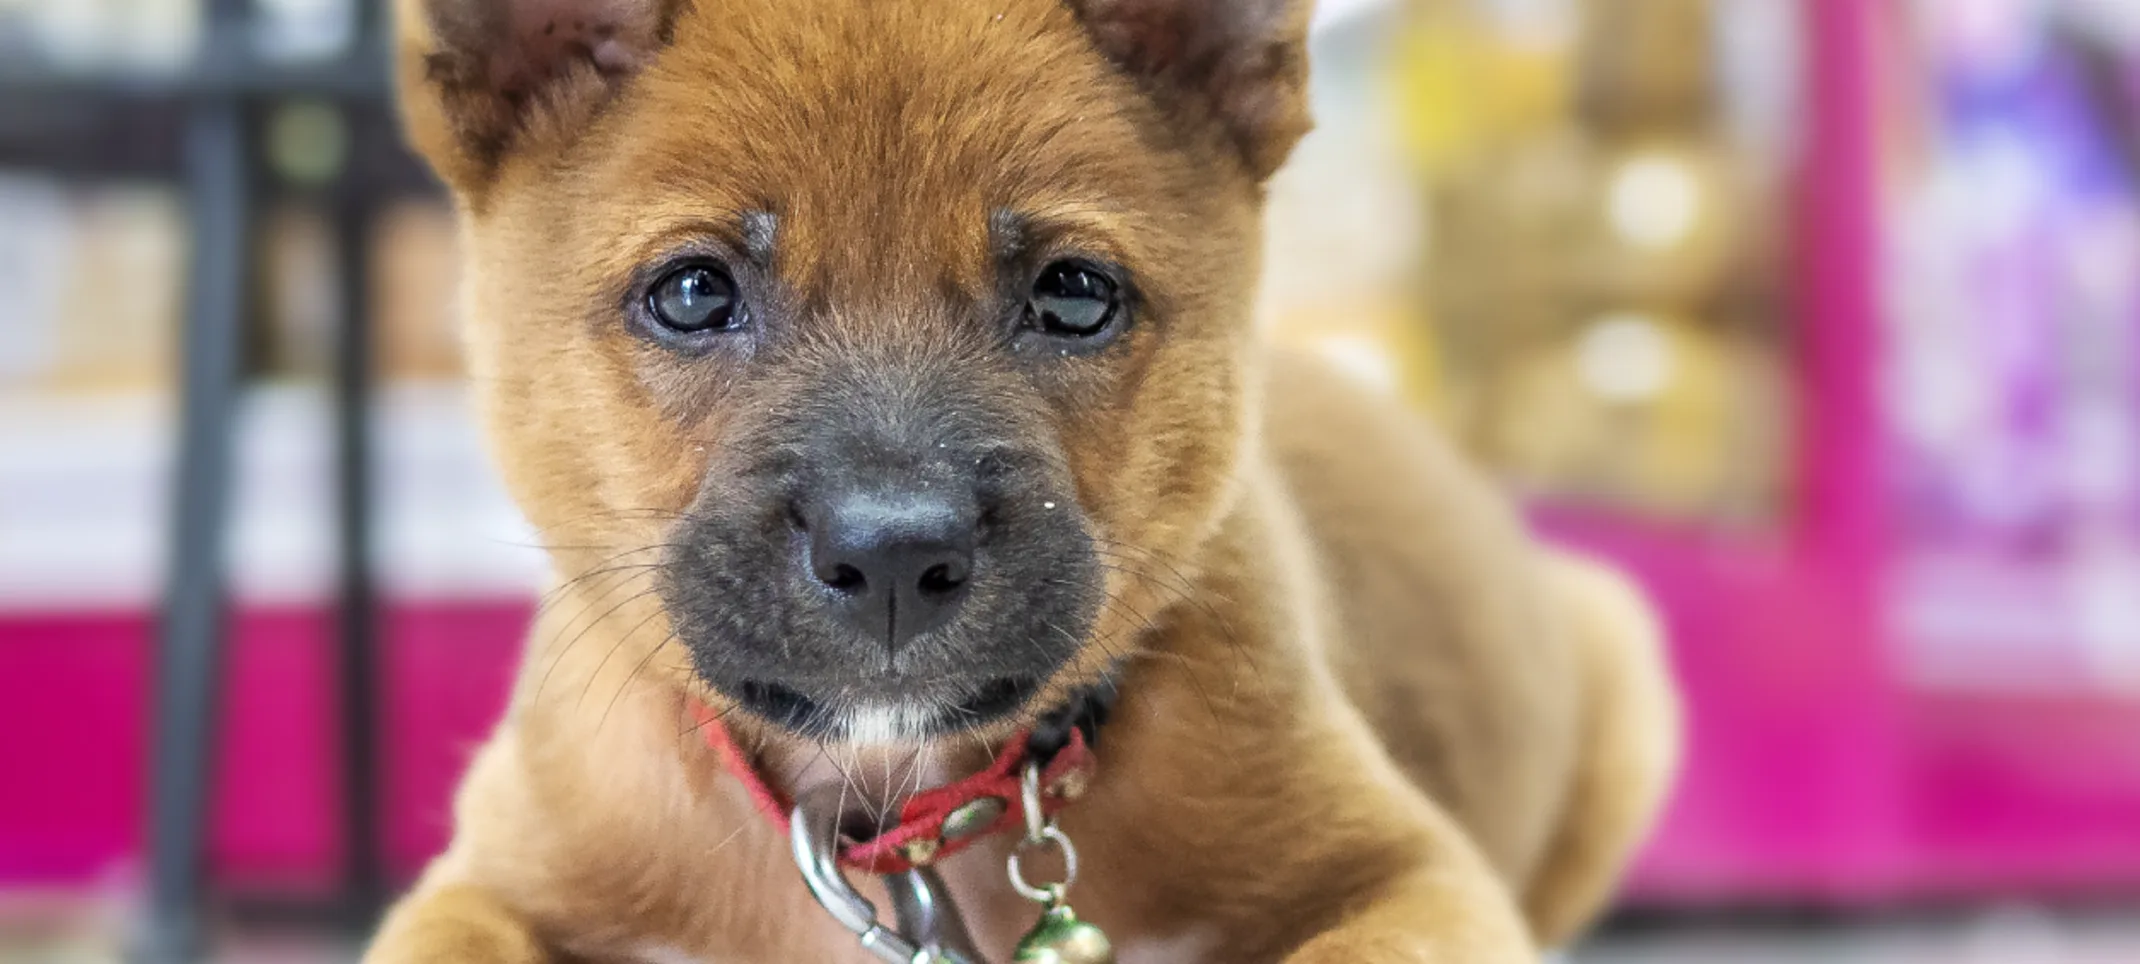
{"x": 1819, "y": 773}
{"x": 74, "y": 692}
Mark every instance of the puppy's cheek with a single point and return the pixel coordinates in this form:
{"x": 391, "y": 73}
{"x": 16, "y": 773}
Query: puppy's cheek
{"x": 721, "y": 603}
{"x": 1164, "y": 473}
{"x": 1051, "y": 608}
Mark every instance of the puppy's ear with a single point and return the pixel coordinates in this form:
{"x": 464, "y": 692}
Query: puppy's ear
{"x": 483, "y": 78}
{"x": 1244, "y": 62}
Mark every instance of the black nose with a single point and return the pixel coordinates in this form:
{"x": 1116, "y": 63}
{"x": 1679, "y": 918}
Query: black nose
{"x": 896, "y": 563}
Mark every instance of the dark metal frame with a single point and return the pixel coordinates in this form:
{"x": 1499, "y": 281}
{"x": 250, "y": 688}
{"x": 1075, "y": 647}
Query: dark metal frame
{"x": 218, "y": 178}
{"x": 218, "y": 165}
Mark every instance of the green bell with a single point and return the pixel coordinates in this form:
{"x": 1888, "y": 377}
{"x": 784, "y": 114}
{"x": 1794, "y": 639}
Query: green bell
{"x": 1060, "y": 938}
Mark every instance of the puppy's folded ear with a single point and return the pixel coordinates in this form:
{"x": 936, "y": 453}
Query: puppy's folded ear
{"x": 1242, "y": 63}
{"x": 481, "y": 79}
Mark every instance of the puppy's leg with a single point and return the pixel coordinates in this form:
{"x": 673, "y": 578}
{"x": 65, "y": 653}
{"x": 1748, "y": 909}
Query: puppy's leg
{"x": 455, "y": 922}
{"x": 451, "y": 915}
{"x": 1282, "y": 819}
{"x": 1630, "y": 755}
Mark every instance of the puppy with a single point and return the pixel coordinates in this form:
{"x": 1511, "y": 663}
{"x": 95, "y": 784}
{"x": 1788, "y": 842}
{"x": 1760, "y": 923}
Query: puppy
{"x": 881, "y": 374}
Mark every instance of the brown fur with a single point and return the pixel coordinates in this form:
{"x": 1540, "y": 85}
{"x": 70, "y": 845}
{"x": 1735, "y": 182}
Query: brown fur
{"x": 1364, "y": 719}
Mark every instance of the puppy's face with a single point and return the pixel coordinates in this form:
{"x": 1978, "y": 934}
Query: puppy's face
{"x": 902, "y": 347}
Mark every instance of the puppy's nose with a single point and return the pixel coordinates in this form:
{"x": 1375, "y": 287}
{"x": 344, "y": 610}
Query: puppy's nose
{"x": 896, "y": 563}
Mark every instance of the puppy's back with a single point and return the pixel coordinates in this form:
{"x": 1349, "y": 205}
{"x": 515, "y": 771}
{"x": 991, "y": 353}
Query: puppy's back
{"x": 1448, "y": 638}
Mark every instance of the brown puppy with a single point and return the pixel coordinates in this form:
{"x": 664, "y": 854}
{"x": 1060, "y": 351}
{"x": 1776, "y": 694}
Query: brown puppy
{"x": 881, "y": 374}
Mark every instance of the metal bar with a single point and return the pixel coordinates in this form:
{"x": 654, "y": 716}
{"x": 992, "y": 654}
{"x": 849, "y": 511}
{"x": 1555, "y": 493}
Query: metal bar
{"x": 218, "y": 179}
{"x": 371, "y": 27}
{"x": 357, "y": 633}
{"x": 219, "y": 187}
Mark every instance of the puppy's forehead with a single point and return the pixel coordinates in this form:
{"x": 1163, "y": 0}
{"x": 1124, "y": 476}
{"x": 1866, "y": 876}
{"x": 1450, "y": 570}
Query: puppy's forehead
{"x": 901, "y": 130}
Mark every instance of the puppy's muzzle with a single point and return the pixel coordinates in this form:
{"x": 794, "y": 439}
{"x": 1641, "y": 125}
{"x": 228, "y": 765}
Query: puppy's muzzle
{"x": 885, "y": 553}
{"x": 894, "y": 561}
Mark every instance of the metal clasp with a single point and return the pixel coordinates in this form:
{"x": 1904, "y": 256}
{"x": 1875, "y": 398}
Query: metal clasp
{"x": 928, "y": 928}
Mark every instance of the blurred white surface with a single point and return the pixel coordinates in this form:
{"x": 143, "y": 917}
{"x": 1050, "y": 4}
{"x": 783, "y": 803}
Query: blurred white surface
{"x": 84, "y": 512}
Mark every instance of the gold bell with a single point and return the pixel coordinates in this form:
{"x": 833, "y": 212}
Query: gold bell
{"x": 1060, "y": 938}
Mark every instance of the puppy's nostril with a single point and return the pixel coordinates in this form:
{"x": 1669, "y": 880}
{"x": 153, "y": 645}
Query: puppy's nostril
{"x": 942, "y": 579}
{"x": 847, "y": 579}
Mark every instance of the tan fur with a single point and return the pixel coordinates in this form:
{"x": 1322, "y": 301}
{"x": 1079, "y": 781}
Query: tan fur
{"x": 1629, "y": 754}
{"x": 1364, "y": 719}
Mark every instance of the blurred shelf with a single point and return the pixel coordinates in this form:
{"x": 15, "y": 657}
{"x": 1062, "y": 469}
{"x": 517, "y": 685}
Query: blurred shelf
{"x": 83, "y": 123}
{"x": 141, "y": 142}
{"x": 96, "y": 468}
{"x": 359, "y": 77}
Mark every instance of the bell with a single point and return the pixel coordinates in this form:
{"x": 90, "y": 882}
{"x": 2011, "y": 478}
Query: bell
{"x": 1060, "y": 938}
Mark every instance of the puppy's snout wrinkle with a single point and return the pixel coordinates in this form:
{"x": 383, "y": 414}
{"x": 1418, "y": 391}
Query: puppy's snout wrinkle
{"x": 895, "y": 563}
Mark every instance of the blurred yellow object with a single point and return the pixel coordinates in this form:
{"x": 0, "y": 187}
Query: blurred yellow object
{"x": 1660, "y": 415}
{"x": 1601, "y": 266}
{"x": 117, "y": 327}
{"x": 1463, "y": 86}
{"x": 417, "y": 280}
{"x": 299, "y": 270}
{"x": 1380, "y": 343}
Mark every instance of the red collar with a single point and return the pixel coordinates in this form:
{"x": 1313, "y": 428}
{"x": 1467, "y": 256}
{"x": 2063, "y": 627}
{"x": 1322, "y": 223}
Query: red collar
{"x": 933, "y": 824}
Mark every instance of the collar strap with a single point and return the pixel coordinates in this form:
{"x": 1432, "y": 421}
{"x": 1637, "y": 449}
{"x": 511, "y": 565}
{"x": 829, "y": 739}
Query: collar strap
{"x": 935, "y": 824}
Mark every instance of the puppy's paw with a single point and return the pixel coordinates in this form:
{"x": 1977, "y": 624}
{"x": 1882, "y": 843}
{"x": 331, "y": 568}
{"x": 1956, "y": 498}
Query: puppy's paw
{"x": 1348, "y": 947}
{"x": 455, "y": 923}
{"x": 1426, "y": 921}
{"x": 1353, "y": 948}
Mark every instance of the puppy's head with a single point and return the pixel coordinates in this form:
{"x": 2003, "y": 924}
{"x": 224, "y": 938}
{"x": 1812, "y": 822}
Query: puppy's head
{"x": 904, "y": 345}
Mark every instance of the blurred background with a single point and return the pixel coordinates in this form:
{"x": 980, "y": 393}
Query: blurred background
{"x": 1821, "y": 316}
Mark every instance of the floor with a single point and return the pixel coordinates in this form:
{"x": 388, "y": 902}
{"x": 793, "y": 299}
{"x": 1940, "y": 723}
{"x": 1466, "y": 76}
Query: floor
{"x": 2006, "y": 936}
{"x": 2002, "y": 936}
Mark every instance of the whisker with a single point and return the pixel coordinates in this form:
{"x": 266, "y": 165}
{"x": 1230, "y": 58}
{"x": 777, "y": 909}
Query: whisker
{"x": 561, "y": 651}
{"x": 629, "y": 677}
{"x": 583, "y": 633}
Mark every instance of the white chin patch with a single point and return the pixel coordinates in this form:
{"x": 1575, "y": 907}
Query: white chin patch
{"x": 904, "y": 722}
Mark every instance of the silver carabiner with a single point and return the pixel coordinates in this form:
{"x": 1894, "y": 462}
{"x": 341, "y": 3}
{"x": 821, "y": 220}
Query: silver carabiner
{"x": 928, "y": 929}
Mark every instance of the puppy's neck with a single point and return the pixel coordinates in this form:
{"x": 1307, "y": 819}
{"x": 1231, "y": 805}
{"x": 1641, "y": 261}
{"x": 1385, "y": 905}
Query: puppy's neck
{"x": 873, "y": 776}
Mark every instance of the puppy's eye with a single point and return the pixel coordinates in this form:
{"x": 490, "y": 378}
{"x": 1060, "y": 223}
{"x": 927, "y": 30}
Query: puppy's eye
{"x": 1072, "y": 300}
{"x": 696, "y": 299}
